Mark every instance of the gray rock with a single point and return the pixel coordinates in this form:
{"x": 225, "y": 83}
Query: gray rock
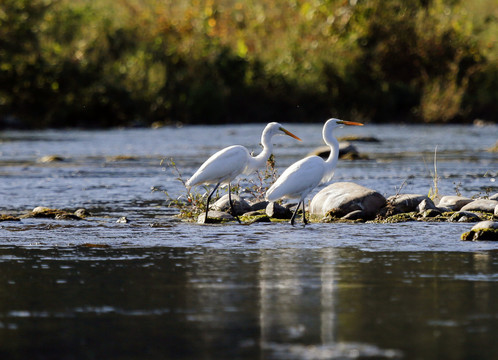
{"x": 453, "y": 202}
{"x": 82, "y": 213}
{"x": 66, "y": 216}
{"x": 344, "y": 197}
{"x": 483, "y": 225}
{"x": 290, "y": 206}
{"x": 483, "y": 205}
{"x": 355, "y": 215}
{"x": 240, "y": 205}
{"x": 404, "y": 203}
{"x": 494, "y": 197}
{"x": 260, "y": 205}
{"x": 214, "y": 217}
{"x": 464, "y": 216}
{"x": 426, "y": 204}
{"x": 41, "y": 209}
{"x": 277, "y": 211}
{"x": 430, "y": 213}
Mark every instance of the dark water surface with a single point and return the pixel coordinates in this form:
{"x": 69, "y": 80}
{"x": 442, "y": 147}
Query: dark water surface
{"x": 158, "y": 288}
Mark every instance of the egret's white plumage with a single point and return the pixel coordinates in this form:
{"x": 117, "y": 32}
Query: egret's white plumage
{"x": 225, "y": 165}
{"x": 222, "y": 167}
{"x": 299, "y": 179}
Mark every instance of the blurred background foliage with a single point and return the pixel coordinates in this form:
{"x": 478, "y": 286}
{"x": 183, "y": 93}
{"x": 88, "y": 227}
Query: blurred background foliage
{"x": 84, "y": 63}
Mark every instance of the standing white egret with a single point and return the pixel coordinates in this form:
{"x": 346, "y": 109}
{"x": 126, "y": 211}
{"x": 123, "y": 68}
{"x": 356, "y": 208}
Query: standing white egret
{"x": 299, "y": 179}
{"x": 225, "y": 165}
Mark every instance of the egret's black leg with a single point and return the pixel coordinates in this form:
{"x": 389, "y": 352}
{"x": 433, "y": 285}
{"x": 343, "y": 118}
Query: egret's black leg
{"x": 294, "y": 215}
{"x": 209, "y": 199}
{"x": 231, "y": 204}
{"x": 304, "y": 216}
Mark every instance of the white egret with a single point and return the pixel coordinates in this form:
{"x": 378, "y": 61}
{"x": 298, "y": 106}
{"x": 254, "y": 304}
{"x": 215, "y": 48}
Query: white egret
{"x": 299, "y": 179}
{"x": 225, "y": 165}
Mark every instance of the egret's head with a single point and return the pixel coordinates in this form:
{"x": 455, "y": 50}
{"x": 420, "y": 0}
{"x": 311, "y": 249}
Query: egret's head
{"x": 333, "y": 123}
{"x": 275, "y": 128}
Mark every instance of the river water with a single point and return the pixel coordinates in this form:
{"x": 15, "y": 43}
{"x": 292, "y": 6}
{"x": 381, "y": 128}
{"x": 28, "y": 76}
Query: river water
{"x": 159, "y": 288}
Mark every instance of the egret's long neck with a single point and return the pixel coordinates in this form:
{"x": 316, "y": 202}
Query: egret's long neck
{"x": 331, "y": 161}
{"x": 259, "y": 161}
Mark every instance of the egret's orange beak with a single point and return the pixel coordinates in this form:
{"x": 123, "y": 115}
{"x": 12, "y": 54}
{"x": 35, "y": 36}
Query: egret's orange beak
{"x": 350, "y": 123}
{"x": 287, "y": 132}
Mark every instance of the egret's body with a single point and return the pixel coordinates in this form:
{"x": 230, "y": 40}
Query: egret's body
{"x": 222, "y": 167}
{"x": 299, "y": 179}
{"x": 225, "y": 165}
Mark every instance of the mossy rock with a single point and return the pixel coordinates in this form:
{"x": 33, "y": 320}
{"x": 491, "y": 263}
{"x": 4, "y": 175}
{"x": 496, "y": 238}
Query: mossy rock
{"x": 481, "y": 235}
{"x": 464, "y": 216}
{"x": 430, "y": 214}
{"x": 331, "y": 218}
{"x": 214, "y": 217}
{"x": 48, "y": 213}
{"x": 253, "y": 216}
{"x": 4, "y": 217}
{"x": 403, "y": 217}
{"x": 251, "y": 219}
{"x": 51, "y": 159}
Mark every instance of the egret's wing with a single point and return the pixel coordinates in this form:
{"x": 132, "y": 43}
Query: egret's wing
{"x": 327, "y": 177}
{"x": 298, "y": 179}
{"x": 222, "y": 166}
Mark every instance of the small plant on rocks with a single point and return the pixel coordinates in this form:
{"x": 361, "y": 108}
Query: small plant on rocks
{"x": 190, "y": 203}
{"x": 264, "y": 179}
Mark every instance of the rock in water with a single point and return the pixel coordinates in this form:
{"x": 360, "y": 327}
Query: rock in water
{"x": 259, "y": 205}
{"x": 49, "y": 213}
{"x": 454, "y": 203}
{"x": 483, "y": 205}
{"x": 404, "y": 203}
{"x": 464, "y": 216}
{"x": 343, "y": 198}
{"x": 240, "y": 205}
{"x": 277, "y": 211}
{"x": 214, "y": 217}
{"x": 484, "y": 230}
{"x": 425, "y": 205}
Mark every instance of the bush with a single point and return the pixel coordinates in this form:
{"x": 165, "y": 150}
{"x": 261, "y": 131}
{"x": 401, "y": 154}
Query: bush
{"x": 98, "y": 64}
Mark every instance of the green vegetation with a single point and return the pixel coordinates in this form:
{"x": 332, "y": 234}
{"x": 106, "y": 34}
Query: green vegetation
{"x": 123, "y": 62}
